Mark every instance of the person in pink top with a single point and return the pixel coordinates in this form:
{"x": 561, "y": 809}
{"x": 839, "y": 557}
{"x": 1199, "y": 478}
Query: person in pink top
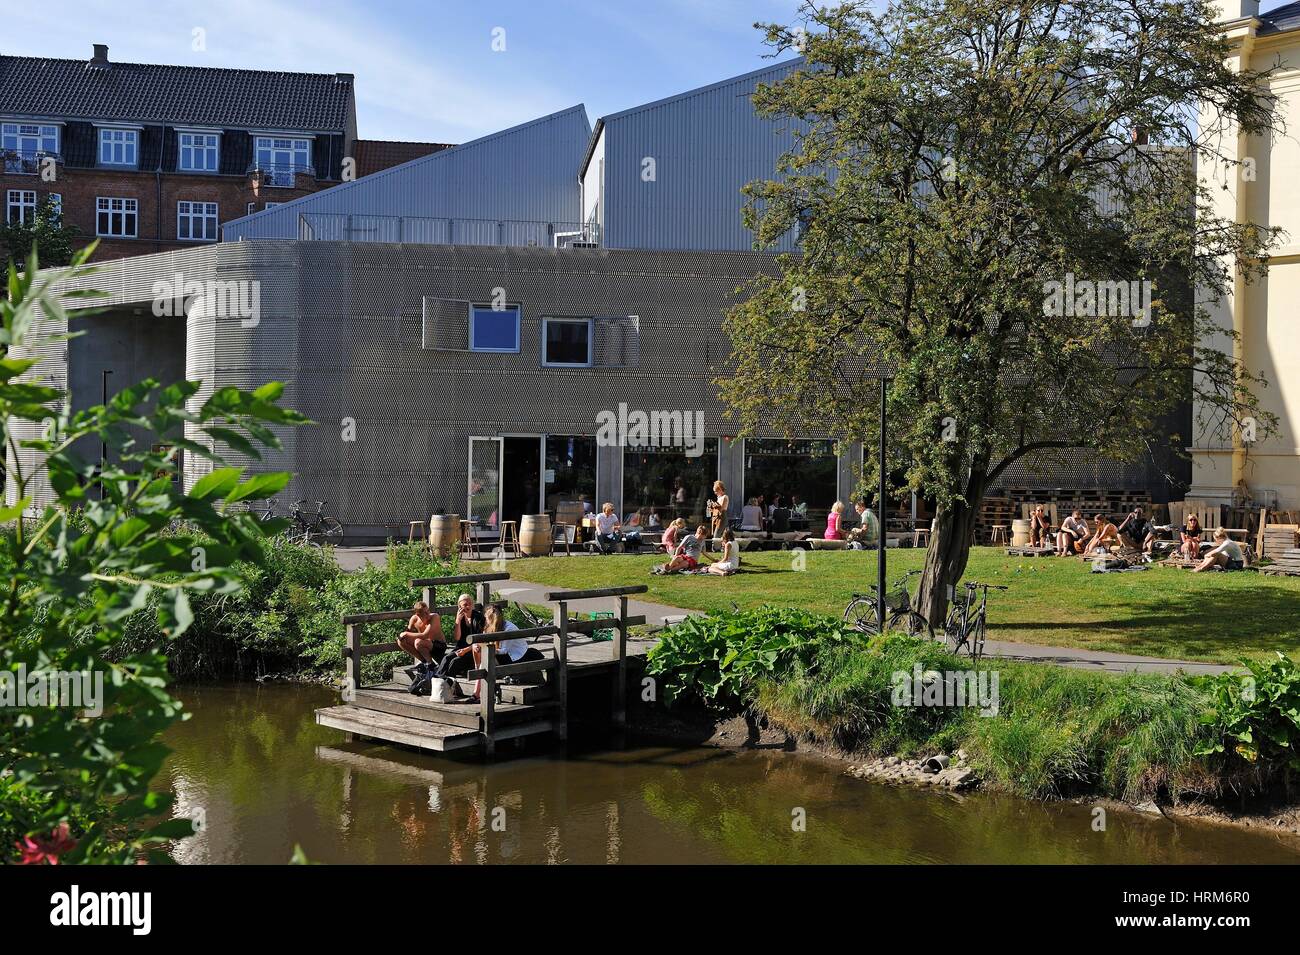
{"x": 833, "y": 519}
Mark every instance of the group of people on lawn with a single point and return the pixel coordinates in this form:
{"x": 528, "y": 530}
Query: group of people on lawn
{"x": 1134, "y": 532}
{"x": 424, "y": 640}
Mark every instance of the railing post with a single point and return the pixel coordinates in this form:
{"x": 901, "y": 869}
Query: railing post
{"x": 620, "y": 673}
{"x": 562, "y": 668}
{"x": 487, "y": 696}
{"x": 429, "y": 597}
{"x": 484, "y": 593}
{"x": 354, "y": 657}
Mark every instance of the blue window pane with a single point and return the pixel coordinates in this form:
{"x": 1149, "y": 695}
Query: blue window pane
{"x": 495, "y": 331}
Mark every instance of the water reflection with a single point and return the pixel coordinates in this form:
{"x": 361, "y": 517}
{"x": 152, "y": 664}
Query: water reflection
{"x": 265, "y": 777}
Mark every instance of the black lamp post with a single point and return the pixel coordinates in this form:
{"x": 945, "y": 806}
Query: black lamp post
{"x": 103, "y": 445}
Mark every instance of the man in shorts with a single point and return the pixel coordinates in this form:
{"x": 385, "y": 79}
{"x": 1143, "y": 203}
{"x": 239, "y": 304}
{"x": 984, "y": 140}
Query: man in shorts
{"x": 687, "y": 555}
{"x": 423, "y": 638}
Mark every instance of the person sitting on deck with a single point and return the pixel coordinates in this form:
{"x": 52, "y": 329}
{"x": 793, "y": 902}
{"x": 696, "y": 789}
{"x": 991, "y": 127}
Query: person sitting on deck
{"x": 867, "y": 533}
{"x": 506, "y": 651}
{"x": 1225, "y": 554}
{"x": 687, "y": 555}
{"x": 833, "y": 530}
{"x": 1074, "y": 532}
{"x": 423, "y": 637}
{"x": 729, "y": 562}
{"x": 1189, "y": 538}
{"x": 1136, "y": 531}
{"x": 1105, "y": 535}
{"x": 1040, "y": 528}
{"x": 469, "y": 622}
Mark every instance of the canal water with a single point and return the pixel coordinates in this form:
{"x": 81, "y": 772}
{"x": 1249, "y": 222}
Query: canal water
{"x": 265, "y": 778}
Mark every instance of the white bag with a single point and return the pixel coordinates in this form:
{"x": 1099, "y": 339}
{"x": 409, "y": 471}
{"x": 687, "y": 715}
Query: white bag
{"x": 441, "y": 691}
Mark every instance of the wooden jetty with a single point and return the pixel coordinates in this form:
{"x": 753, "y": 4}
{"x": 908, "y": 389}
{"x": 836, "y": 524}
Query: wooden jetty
{"x": 534, "y": 701}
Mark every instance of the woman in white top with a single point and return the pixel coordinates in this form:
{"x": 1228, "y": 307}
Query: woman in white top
{"x": 751, "y": 516}
{"x": 507, "y": 651}
{"x": 1225, "y": 554}
{"x": 729, "y": 562}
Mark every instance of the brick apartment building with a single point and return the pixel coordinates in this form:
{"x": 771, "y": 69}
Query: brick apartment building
{"x": 151, "y": 158}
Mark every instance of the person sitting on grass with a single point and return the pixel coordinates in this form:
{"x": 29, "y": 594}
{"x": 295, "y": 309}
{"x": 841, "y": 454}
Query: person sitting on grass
{"x": 1105, "y": 535}
{"x": 1189, "y": 537}
{"x": 672, "y": 534}
{"x": 506, "y": 651}
{"x": 729, "y": 562}
{"x": 423, "y": 638}
{"x": 687, "y": 555}
{"x": 1224, "y": 555}
{"x": 1136, "y": 531}
{"x": 1040, "y": 528}
{"x": 834, "y": 532}
{"x": 1074, "y": 532}
{"x": 469, "y": 622}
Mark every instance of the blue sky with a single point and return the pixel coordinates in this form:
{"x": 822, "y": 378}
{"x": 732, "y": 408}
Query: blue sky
{"x": 428, "y": 70}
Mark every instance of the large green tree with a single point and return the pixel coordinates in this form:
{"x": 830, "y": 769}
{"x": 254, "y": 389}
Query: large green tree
{"x": 45, "y": 231}
{"x": 964, "y": 167}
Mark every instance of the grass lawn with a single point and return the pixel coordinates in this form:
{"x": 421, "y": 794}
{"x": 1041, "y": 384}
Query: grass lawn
{"x": 1160, "y": 612}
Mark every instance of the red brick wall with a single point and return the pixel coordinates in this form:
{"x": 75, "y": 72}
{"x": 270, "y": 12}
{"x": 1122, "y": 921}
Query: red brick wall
{"x": 81, "y": 187}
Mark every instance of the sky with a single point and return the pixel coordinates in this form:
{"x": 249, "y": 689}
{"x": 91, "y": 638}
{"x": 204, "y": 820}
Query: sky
{"x": 434, "y": 71}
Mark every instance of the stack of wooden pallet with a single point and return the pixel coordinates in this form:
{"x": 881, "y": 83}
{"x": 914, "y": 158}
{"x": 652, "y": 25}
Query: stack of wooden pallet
{"x": 1287, "y": 563}
{"x": 1278, "y": 543}
{"x": 993, "y": 511}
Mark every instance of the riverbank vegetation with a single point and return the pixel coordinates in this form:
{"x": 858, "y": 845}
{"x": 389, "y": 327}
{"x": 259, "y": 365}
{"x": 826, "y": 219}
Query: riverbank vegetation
{"x": 1216, "y": 618}
{"x": 1053, "y": 731}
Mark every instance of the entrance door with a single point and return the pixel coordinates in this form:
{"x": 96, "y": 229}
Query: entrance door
{"x": 484, "y": 498}
{"x": 521, "y": 488}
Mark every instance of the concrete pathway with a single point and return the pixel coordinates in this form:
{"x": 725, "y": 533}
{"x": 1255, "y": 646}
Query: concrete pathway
{"x": 656, "y": 614}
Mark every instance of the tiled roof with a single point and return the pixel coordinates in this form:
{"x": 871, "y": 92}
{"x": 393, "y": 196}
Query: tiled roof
{"x": 376, "y": 154}
{"x": 1285, "y": 17}
{"x": 144, "y": 92}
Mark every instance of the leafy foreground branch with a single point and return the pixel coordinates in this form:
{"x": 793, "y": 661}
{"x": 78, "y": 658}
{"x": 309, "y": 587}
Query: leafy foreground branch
{"x": 75, "y": 767}
{"x": 1056, "y": 731}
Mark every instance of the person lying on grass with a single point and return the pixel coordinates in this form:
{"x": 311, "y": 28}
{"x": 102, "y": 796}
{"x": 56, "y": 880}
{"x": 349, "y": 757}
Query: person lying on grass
{"x": 1225, "y": 554}
{"x": 423, "y": 637}
{"x": 729, "y": 562}
{"x": 1105, "y": 535}
{"x": 687, "y": 555}
{"x": 1073, "y": 535}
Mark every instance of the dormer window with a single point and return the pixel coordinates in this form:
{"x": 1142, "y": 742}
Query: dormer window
{"x": 25, "y": 144}
{"x": 282, "y": 158}
{"x": 199, "y": 152}
{"x": 119, "y": 147}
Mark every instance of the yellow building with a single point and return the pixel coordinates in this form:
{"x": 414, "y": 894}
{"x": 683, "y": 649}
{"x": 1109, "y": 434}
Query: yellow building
{"x": 1260, "y": 182}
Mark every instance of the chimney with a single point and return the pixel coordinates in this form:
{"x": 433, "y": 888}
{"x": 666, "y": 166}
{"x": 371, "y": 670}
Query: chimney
{"x": 343, "y": 77}
{"x": 100, "y": 60}
{"x": 1229, "y": 10}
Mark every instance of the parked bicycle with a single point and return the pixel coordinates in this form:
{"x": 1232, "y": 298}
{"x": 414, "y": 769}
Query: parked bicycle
{"x": 267, "y": 511}
{"x": 313, "y": 528}
{"x": 863, "y": 615}
{"x": 967, "y": 622}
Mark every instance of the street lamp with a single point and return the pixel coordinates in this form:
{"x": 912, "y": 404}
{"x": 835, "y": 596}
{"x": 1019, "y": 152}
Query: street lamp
{"x": 103, "y": 444}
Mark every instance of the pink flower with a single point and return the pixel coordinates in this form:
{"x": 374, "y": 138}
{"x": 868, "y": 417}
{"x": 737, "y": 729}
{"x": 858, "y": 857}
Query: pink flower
{"x": 38, "y": 849}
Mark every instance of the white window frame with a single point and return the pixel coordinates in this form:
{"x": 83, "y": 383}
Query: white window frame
{"x": 519, "y": 319}
{"x": 267, "y": 148}
{"x": 119, "y": 139}
{"x": 29, "y": 141}
{"x": 104, "y": 205}
{"x": 22, "y": 203}
{"x": 198, "y": 143}
{"x": 569, "y": 320}
{"x": 195, "y": 212}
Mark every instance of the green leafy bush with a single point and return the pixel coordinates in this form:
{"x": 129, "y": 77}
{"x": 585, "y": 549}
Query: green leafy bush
{"x": 1256, "y": 716}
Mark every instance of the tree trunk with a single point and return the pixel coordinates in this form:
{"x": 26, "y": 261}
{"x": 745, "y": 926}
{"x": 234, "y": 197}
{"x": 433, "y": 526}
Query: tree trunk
{"x": 945, "y": 559}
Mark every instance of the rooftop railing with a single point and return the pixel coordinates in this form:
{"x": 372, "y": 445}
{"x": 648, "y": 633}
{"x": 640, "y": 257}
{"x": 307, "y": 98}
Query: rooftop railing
{"x": 423, "y": 230}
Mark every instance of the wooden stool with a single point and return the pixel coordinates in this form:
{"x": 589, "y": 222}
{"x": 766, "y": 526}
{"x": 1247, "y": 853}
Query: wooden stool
{"x": 999, "y": 534}
{"x": 410, "y": 537}
{"x": 919, "y": 534}
{"x": 509, "y": 538}
{"x": 468, "y": 544}
{"x": 563, "y": 528}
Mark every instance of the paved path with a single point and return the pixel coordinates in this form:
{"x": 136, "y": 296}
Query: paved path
{"x": 523, "y": 591}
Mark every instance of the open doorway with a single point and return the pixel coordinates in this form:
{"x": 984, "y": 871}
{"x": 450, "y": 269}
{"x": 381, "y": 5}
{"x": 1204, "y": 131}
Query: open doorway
{"x": 521, "y": 470}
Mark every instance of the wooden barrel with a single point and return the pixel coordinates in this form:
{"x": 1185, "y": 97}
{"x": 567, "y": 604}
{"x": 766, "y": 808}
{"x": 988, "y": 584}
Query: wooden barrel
{"x": 535, "y": 535}
{"x": 444, "y": 533}
{"x": 1019, "y": 533}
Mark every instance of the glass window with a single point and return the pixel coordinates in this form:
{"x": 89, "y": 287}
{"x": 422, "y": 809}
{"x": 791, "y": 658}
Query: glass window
{"x": 786, "y": 470}
{"x": 24, "y": 144}
{"x": 566, "y": 341}
{"x": 118, "y": 147}
{"x": 282, "y": 158}
{"x": 199, "y": 152}
{"x": 196, "y": 221}
{"x": 666, "y": 483}
{"x": 494, "y": 329}
{"x": 570, "y": 470}
{"x": 56, "y": 207}
{"x": 116, "y": 217}
{"x": 20, "y": 205}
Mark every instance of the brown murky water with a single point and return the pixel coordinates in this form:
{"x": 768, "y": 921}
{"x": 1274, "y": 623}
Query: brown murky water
{"x": 267, "y": 778}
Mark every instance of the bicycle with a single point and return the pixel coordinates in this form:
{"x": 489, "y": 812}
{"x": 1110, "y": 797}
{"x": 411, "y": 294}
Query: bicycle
{"x": 966, "y": 627}
{"x": 314, "y": 528}
{"x": 863, "y": 615}
{"x": 267, "y": 511}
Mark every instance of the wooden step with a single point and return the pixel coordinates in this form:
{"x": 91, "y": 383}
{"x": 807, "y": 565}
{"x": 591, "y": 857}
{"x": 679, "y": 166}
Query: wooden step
{"x": 397, "y": 699}
{"x": 528, "y": 693}
{"x": 390, "y": 728}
